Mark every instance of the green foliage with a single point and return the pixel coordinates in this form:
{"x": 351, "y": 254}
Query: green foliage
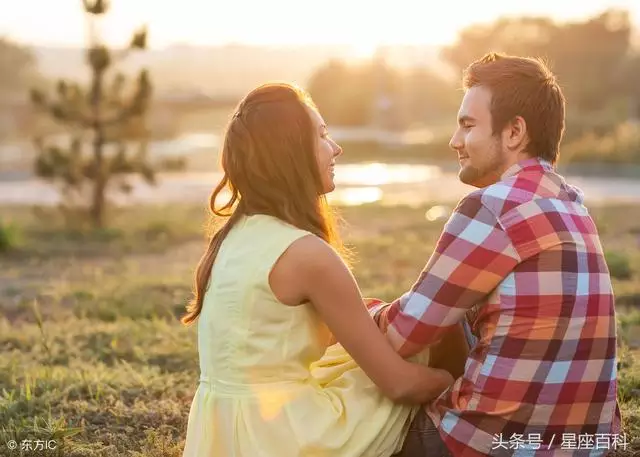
{"x": 350, "y": 95}
{"x": 53, "y": 233}
{"x": 96, "y": 7}
{"x": 105, "y": 120}
{"x": 619, "y": 265}
{"x": 10, "y": 236}
{"x": 592, "y": 59}
{"x": 364, "y": 151}
{"x": 620, "y": 145}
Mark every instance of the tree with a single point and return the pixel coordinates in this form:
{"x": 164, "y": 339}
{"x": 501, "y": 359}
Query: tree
{"x": 103, "y": 114}
{"x": 587, "y": 57}
{"x": 344, "y": 94}
{"x": 627, "y": 81}
{"x": 519, "y": 36}
{"x": 428, "y": 98}
{"x": 375, "y": 93}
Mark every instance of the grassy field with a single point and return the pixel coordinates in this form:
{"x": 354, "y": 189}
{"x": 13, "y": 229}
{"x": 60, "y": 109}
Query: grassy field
{"x": 92, "y": 353}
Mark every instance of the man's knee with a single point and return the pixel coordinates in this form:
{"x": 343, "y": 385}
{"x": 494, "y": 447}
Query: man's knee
{"x": 423, "y": 439}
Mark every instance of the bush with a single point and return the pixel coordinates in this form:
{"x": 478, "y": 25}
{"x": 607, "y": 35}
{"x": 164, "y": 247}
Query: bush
{"x": 435, "y": 150}
{"x": 619, "y": 265}
{"x": 620, "y": 145}
{"x": 9, "y": 237}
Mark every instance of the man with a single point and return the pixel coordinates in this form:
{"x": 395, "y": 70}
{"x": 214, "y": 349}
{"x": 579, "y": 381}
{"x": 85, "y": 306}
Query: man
{"x": 520, "y": 260}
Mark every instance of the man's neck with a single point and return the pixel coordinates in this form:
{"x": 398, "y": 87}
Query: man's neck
{"x": 515, "y": 159}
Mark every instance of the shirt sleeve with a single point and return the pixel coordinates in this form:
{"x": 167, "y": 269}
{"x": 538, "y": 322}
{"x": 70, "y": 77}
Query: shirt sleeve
{"x": 472, "y": 256}
{"x": 374, "y": 306}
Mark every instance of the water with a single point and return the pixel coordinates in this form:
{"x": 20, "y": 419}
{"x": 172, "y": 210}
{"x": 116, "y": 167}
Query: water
{"x": 356, "y": 184}
{"x": 188, "y": 143}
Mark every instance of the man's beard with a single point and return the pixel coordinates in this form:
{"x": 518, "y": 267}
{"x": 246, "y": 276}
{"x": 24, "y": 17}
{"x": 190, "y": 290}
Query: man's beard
{"x": 486, "y": 174}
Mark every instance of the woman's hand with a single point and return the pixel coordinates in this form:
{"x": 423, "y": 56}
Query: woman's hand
{"x": 429, "y": 383}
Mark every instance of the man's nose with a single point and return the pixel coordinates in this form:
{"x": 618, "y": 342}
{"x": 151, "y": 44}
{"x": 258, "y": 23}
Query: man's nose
{"x": 454, "y": 142}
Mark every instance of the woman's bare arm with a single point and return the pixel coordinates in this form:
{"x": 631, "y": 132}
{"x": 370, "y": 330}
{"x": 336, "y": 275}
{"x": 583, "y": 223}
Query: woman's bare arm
{"x": 324, "y": 280}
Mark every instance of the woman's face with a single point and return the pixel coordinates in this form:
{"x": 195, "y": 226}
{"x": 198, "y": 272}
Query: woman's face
{"x": 326, "y": 151}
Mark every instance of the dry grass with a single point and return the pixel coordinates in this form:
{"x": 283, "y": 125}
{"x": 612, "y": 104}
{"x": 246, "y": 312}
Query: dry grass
{"x": 94, "y": 357}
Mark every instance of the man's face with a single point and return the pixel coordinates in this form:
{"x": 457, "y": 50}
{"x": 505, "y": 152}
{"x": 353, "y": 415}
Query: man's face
{"x": 480, "y": 153}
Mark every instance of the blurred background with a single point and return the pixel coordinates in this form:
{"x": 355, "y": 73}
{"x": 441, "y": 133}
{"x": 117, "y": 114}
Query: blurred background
{"x": 111, "y": 117}
{"x": 385, "y": 77}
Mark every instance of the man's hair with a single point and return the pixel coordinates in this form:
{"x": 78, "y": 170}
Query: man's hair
{"x": 522, "y": 86}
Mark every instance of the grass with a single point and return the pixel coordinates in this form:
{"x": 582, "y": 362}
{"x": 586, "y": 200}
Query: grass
{"x": 9, "y": 237}
{"x": 93, "y": 355}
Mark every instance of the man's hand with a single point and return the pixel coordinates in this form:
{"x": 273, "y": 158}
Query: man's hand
{"x": 451, "y": 352}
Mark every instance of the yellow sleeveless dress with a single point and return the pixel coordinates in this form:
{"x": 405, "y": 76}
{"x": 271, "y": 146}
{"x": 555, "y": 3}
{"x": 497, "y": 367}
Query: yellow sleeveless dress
{"x": 270, "y": 384}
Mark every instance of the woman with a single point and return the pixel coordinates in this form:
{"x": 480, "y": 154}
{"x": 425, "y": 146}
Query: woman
{"x": 272, "y": 292}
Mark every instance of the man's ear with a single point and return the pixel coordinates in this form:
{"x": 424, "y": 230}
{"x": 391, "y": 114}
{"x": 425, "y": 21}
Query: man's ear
{"x": 515, "y": 135}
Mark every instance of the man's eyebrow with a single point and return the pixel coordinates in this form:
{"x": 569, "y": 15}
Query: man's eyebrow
{"x": 465, "y": 118}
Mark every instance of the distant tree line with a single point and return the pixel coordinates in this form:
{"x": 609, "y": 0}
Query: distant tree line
{"x": 375, "y": 93}
{"x": 17, "y": 69}
{"x": 594, "y": 61}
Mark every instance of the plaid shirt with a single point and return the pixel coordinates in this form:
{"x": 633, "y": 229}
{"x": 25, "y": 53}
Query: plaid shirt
{"x": 522, "y": 261}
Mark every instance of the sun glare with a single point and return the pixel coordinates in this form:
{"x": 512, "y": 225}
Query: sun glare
{"x": 406, "y": 22}
{"x": 363, "y": 50}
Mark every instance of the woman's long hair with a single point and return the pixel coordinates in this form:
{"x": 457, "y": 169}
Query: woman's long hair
{"x": 269, "y": 165}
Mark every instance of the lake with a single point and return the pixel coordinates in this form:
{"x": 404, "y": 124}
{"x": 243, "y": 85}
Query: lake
{"x": 356, "y": 183}
{"x": 385, "y": 183}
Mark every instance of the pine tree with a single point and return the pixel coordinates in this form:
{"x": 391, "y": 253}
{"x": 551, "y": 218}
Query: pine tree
{"x": 103, "y": 119}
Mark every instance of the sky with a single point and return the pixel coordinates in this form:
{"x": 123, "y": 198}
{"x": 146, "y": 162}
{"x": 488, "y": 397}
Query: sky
{"x": 360, "y": 24}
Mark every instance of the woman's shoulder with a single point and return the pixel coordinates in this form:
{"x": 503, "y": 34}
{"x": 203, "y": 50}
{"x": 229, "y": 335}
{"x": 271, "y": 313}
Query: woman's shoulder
{"x": 272, "y": 236}
{"x": 299, "y": 243}
{"x": 266, "y": 223}
{"x": 313, "y": 256}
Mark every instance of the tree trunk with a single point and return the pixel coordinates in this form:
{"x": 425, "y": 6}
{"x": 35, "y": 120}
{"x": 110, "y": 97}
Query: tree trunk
{"x": 99, "y": 186}
{"x": 100, "y": 178}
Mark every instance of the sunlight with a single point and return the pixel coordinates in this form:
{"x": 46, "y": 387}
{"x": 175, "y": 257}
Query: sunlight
{"x": 363, "y": 50}
{"x": 202, "y": 23}
{"x": 376, "y": 174}
{"x": 354, "y": 196}
{"x": 437, "y": 212}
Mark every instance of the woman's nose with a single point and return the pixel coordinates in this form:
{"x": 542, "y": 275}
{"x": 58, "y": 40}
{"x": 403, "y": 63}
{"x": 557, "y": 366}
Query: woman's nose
{"x": 337, "y": 150}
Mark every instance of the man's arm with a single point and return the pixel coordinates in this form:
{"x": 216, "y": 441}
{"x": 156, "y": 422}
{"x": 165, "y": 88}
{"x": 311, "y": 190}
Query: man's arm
{"x": 472, "y": 256}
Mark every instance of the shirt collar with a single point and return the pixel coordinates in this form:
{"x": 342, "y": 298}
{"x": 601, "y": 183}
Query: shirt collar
{"x": 531, "y": 164}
